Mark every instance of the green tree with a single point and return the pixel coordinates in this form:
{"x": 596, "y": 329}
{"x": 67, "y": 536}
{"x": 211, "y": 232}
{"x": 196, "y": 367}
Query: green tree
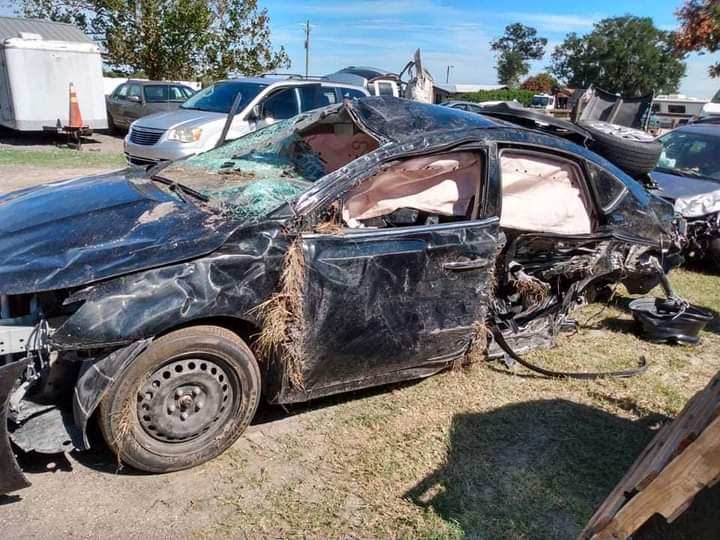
{"x": 517, "y": 46}
{"x": 173, "y": 39}
{"x": 542, "y": 83}
{"x": 627, "y": 55}
{"x": 700, "y": 29}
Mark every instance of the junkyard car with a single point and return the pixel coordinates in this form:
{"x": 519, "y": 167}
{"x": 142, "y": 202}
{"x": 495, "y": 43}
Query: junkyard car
{"x": 688, "y": 175}
{"x": 360, "y": 244}
{"x": 135, "y": 99}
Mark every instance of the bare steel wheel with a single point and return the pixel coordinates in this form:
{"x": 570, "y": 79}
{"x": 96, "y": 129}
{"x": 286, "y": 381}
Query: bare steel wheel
{"x": 183, "y": 401}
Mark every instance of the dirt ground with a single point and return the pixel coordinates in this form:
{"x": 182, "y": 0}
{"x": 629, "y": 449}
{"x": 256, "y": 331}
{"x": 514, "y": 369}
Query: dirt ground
{"x": 97, "y": 142}
{"x": 28, "y": 159}
{"x": 483, "y": 453}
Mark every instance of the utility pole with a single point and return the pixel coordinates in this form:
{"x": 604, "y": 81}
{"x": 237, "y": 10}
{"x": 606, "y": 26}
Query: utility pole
{"x": 307, "y": 48}
{"x": 447, "y": 74}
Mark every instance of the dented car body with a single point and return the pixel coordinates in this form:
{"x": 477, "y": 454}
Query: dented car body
{"x": 688, "y": 176}
{"x": 365, "y": 243}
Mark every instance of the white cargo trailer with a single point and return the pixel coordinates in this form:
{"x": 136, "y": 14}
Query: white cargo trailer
{"x": 38, "y": 61}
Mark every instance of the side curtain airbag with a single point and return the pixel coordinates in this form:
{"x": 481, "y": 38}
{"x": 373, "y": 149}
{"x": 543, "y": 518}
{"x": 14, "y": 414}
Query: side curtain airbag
{"x": 441, "y": 184}
{"x": 542, "y": 195}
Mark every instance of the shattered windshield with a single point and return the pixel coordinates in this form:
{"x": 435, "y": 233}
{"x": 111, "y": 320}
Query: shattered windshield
{"x": 690, "y": 154}
{"x": 250, "y": 176}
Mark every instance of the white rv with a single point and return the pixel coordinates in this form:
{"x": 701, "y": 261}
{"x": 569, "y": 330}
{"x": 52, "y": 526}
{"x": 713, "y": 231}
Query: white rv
{"x": 38, "y": 61}
{"x": 673, "y": 110}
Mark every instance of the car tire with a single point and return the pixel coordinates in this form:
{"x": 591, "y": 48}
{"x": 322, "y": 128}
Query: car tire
{"x": 183, "y": 401}
{"x": 634, "y": 151}
{"x": 112, "y": 126}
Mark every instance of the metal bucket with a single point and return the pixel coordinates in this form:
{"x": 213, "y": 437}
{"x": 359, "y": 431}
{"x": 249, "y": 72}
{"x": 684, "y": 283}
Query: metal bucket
{"x": 669, "y": 321}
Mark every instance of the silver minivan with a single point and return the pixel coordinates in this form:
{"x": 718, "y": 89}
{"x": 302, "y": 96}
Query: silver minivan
{"x": 199, "y": 122}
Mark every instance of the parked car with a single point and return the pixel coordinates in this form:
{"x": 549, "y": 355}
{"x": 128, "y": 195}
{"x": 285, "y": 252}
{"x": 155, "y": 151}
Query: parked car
{"x": 198, "y": 124}
{"x": 136, "y": 99}
{"x": 364, "y": 243}
{"x": 688, "y": 175}
{"x": 471, "y": 106}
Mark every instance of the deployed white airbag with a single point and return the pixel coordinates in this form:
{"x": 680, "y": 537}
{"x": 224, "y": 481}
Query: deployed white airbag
{"x": 542, "y": 194}
{"x": 442, "y": 184}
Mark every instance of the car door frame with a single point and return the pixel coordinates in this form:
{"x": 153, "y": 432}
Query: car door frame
{"x": 480, "y": 233}
{"x": 128, "y": 103}
{"x": 148, "y": 106}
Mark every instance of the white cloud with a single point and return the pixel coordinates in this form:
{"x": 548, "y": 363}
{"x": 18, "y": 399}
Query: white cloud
{"x": 549, "y": 22}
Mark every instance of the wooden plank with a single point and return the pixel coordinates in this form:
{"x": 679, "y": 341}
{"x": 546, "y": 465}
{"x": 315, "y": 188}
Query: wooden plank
{"x": 674, "y": 488}
{"x": 702, "y": 409}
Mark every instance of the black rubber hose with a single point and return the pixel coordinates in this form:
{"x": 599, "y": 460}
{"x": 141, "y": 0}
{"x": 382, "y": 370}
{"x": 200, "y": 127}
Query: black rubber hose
{"x": 500, "y": 340}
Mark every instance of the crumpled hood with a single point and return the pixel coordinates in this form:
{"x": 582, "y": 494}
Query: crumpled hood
{"x": 691, "y": 197}
{"x": 82, "y": 230}
{"x": 185, "y": 117}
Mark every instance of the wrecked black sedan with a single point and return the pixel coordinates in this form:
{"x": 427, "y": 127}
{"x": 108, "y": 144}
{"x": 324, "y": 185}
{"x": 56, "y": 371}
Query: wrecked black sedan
{"x": 365, "y": 243}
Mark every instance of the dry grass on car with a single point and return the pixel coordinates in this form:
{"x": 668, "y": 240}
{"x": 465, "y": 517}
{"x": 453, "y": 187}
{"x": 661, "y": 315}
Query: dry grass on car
{"x": 282, "y": 320}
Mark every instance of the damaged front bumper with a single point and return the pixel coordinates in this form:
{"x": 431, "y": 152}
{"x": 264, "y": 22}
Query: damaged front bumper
{"x": 703, "y": 237}
{"x": 11, "y": 477}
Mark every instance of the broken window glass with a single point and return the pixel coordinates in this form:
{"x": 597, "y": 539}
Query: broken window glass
{"x": 253, "y": 175}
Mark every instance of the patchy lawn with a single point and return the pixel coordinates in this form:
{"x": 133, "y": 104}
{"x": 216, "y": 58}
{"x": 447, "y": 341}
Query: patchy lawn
{"x": 482, "y": 453}
{"x": 60, "y": 158}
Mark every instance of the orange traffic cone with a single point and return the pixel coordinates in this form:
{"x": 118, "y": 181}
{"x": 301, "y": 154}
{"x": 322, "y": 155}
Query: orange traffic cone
{"x": 75, "y": 119}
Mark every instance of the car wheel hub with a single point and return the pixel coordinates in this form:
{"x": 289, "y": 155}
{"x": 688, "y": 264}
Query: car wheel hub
{"x": 184, "y": 399}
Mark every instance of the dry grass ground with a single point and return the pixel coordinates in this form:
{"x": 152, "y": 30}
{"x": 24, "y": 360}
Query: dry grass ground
{"x": 481, "y": 453}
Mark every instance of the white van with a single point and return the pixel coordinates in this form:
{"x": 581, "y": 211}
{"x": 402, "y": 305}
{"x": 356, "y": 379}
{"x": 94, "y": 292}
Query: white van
{"x": 36, "y": 72}
{"x": 199, "y": 122}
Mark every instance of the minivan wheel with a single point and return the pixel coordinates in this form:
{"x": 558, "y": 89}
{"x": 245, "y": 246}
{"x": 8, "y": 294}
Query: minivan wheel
{"x": 183, "y": 401}
{"x": 112, "y": 127}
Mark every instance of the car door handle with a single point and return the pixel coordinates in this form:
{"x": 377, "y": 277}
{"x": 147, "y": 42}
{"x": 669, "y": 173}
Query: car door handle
{"x": 459, "y": 266}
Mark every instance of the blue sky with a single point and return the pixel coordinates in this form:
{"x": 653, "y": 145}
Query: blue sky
{"x": 385, "y": 33}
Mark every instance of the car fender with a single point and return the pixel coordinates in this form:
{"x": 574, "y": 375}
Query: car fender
{"x": 96, "y": 377}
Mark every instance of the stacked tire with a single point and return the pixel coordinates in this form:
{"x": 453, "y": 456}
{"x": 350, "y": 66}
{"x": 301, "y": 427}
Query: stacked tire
{"x": 634, "y": 151}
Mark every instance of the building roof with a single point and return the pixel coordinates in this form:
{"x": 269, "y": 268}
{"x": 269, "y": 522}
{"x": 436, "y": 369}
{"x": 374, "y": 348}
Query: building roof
{"x": 466, "y": 88}
{"x": 13, "y": 27}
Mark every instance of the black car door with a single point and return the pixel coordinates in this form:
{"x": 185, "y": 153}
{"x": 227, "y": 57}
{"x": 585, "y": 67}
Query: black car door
{"x": 383, "y": 304}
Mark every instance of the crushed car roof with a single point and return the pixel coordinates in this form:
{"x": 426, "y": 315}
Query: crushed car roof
{"x": 399, "y": 120}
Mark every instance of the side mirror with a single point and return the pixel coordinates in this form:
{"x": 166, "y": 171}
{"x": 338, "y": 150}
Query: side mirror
{"x": 255, "y": 113}
{"x": 134, "y": 99}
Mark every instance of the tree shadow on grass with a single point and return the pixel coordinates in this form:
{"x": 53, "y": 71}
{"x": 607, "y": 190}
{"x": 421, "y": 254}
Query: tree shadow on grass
{"x": 531, "y": 470}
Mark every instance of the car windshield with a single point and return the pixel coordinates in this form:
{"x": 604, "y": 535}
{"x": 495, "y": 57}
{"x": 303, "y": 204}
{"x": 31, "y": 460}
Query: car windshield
{"x": 252, "y": 175}
{"x": 540, "y": 101}
{"x": 219, "y": 97}
{"x": 691, "y": 154}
